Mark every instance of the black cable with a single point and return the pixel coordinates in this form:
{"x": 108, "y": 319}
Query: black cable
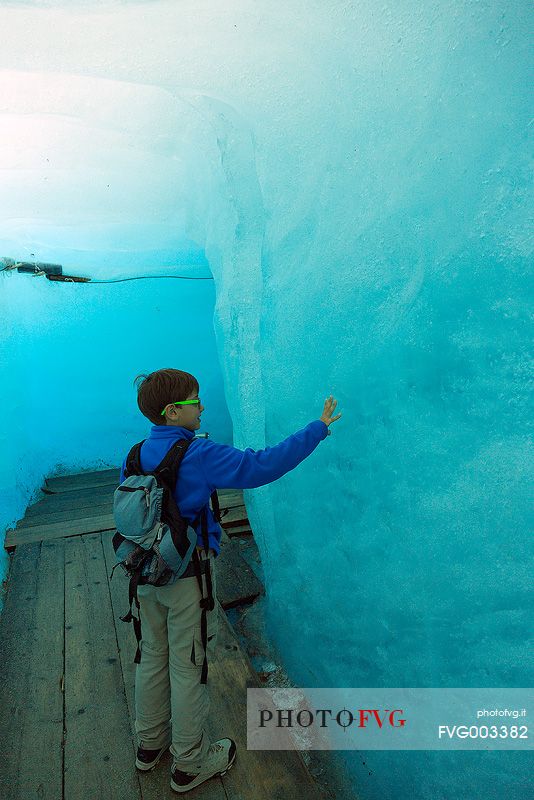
{"x": 145, "y": 277}
{"x": 122, "y": 280}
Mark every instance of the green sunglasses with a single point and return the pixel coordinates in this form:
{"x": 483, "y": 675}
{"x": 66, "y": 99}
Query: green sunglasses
{"x": 181, "y": 403}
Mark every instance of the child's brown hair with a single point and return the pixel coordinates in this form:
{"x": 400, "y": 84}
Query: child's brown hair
{"x": 156, "y": 390}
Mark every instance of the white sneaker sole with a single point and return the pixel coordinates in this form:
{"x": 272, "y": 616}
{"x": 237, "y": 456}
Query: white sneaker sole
{"x": 196, "y": 782}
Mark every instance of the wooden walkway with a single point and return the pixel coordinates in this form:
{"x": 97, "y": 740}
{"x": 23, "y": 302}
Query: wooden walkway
{"x": 66, "y": 666}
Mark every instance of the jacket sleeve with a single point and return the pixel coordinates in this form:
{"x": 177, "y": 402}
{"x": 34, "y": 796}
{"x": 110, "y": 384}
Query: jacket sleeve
{"x": 227, "y": 467}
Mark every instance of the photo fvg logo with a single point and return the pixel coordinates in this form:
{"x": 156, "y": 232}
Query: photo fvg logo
{"x": 359, "y": 718}
{"x": 389, "y": 718}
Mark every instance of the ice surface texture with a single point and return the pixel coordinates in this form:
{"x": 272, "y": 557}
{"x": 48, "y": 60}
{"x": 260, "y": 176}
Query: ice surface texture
{"x": 358, "y": 177}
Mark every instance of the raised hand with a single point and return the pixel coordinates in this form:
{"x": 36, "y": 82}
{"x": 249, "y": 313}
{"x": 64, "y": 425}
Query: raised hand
{"x": 329, "y": 408}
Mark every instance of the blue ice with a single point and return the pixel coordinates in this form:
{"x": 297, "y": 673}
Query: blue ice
{"x": 355, "y": 180}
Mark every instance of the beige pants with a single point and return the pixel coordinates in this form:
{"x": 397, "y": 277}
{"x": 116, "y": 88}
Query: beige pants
{"x": 171, "y": 705}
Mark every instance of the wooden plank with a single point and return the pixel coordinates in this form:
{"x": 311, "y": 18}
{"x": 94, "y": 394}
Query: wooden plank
{"x": 127, "y": 643}
{"x": 17, "y": 624}
{"x": 72, "y": 499}
{"x": 85, "y": 498}
{"x": 236, "y": 582}
{"x": 50, "y": 520}
{"x": 42, "y": 753}
{"x": 48, "y": 513}
{"x": 83, "y": 480}
{"x": 239, "y": 530}
{"x": 31, "y": 668}
{"x": 51, "y": 510}
{"x": 36, "y": 532}
{"x": 90, "y": 498}
{"x": 236, "y": 516}
{"x": 99, "y": 752}
{"x": 65, "y": 515}
{"x": 58, "y": 530}
{"x": 97, "y": 495}
{"x": 229, "y": 498}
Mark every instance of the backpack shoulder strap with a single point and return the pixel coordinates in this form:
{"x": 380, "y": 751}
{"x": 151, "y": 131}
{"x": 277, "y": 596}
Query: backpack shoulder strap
{"x": 167, "y": 470}
{"x": 133, "y": 461}
{"x": 216, "y": 508}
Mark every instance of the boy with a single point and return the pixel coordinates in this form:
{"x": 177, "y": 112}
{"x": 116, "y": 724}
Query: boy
{"x": 167, "y": 681}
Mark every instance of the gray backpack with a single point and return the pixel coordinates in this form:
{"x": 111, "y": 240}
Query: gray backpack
{"x": 154, "y": 544}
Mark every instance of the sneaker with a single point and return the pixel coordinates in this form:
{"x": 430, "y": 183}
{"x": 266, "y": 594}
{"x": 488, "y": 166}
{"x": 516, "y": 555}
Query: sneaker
{"x": 147, "y": 759}
{"x": 221, "y": 756}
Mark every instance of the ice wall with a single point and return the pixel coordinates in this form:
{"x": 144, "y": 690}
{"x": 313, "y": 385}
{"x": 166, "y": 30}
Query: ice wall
{"x": 358, "y": 174}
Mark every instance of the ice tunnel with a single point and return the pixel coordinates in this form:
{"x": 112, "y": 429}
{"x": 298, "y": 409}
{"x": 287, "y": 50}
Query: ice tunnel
{"x": 291, "y": 200}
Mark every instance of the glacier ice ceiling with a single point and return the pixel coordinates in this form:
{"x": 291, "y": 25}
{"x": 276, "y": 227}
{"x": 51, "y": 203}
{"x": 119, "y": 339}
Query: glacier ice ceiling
{"x": 347, "y": 186}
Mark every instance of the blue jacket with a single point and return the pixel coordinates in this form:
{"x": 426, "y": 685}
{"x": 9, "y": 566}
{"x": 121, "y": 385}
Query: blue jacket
{"x": 208, "y": 465}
